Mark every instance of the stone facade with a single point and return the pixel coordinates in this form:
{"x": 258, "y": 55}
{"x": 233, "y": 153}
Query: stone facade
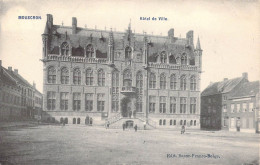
{"x": 16, "y": 96}
{"x": 96, "y": 76}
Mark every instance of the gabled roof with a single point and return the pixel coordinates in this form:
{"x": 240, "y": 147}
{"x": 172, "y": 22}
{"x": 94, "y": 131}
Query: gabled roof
{"x": 5, "y": 78}
{"x": 221, "y": 87}
{"x": 246, "y": 89}
{"x": 17, "y": 78}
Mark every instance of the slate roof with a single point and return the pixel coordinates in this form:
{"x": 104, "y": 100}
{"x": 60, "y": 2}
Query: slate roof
{"x": 221, "y": 87}
{"x": 85, "y": 36}
{"x": 246, "y": 89}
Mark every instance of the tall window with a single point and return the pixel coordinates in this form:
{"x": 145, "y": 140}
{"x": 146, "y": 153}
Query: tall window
{"x": 115, "y": 91}
{"x": 76, "y": 77}
{"x": 163, "y": 57}
{"x": 89, "y": 51}
{"x": 193, "y": 83}
{"x": 232, "y": 108}
{"x": 51, "y": 100}
{"x": 183, "y": 82}
{"x": 76, "y": 101}
{"x": 152, "y": 101}
{"x": 51, "y": 75}
{"x": 64, "y": 100}
{"x": 139, "y": 91}
{"x": 100, "y": 102}
{"x": 183, "y": 103}
{"x": 173, "y": 82}
{"x": 152, "y": 81}
{"x": 89, "y": 77}
{"x": 64, "y": 48}
{"x": 193, "y": 105}
{"x": 64, "y": 76}
{"x": 172, "y": 105}
{"x": 88, "y": 101}
{"x": 184, "y": 60}
{"x": 127, "y": 78}
{"x": 101, "y": 78}
{"x": 162, "y": 81}
{"x": 162, "y": 104}
{"x": 128, "y": 52}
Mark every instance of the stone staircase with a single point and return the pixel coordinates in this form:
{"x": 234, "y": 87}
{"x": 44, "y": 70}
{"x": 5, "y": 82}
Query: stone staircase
{"x": 117, "y": 122}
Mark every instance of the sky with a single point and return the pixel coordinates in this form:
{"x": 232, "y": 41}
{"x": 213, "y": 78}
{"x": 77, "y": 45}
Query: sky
{"x": 229, "y": 30}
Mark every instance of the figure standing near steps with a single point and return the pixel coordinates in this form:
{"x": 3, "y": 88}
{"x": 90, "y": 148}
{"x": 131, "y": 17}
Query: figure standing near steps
{"x": 135, "y": 127}
{"x": 182, "y": 129}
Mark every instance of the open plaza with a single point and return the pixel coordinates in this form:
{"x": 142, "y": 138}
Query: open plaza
{"x": 29, "y": 143}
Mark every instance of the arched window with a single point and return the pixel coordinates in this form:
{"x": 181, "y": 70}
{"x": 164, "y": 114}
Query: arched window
{"x": 183, "y": 82}
{"x": 152, "y": 81}
{"x": 194, "y": 123}
{"x": 160, "y": 122}
{"x": 139, "y": 91}
{"x": 64, "y": 76}
{"x": 115, "y": 91}
{"x": 173, "y": 82}
{"x": 193, "y": 83}
{"x": 128, "y": 52}
{"x": 89, "y": 77}
{"x": 181, "y": 122}
{"x": 174, "y": 122}
{"x": 170, "y": 122}
{"x": 163, "y": 57}
{"x": 78, "y": 121}
{"x": 184, "y": 123}
{"x": 64, "y": 48}
{"x": 74, "y": 120}
{"x": 66, "y": 120}
{"x": 172, "y": 59}
{"x": 89, "y": 51}
{"x": 127, "y": 78}
{"x": 164, "y": 122}
{"x": 101, "y": 78}
{"x": 51, "y": 75}
{"x": 162, "y": 81}
{"x": 76, "y": 76}
{"x": 184, "y": 59}
{"x": 191, "y": 122}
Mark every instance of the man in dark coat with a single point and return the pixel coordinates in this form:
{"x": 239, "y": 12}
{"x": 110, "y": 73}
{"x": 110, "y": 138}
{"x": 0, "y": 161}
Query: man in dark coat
{"x": 135, "y": 127}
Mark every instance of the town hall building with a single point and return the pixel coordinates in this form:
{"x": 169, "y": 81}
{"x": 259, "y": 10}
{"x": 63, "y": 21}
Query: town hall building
{"x": 95, "y": 77}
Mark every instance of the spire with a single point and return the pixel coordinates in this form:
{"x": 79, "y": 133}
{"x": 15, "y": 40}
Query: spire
{"x": 129, "y": 26}
{"x": 198, "y": 44}
{"x": 46, "y": 30}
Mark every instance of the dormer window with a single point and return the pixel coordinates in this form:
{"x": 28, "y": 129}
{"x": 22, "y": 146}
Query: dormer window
{"x": 128, "y": 52}
{"x": 163, "y": 57}
{"x": 65, "y": 48}
{"x": 90, "y": 51}
{"x": 184, "y": 60}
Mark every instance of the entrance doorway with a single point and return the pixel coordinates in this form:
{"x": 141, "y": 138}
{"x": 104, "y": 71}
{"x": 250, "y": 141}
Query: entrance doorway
{"x": 126, "y": 107}
{"x": 129, "y": 124}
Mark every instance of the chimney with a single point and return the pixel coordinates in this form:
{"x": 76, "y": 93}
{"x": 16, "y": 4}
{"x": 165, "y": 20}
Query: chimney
{"x": 16, "y": 71}
{"x": 171, "y": 33}
{"x": 0, "y": 63}
{"x": 245, "y": 75}
{"x": 9, "y": 68}
{"x": 225, "y": 79}
{"x": 74, "y": 25}
{"x": 49, "y": 20}
{"x": 189, "y": 36}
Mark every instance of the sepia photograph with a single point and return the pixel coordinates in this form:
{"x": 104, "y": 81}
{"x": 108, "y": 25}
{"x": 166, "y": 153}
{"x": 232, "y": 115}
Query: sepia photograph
{"x": 129, "y": 82}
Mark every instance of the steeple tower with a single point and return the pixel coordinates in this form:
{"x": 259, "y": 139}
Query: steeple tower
{"x": 145, "y": 51}
{"x": 111, "y": 48}
{"x": 46, "y": 35}
{"x": 198, "y": 54}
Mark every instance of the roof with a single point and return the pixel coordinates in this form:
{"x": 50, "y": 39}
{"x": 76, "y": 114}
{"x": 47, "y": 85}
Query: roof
{"x": 5, "y": 78}
{"x": 221, "y": 87}
{"x": 246, "y": 89}
{"x": 174, "y": 46}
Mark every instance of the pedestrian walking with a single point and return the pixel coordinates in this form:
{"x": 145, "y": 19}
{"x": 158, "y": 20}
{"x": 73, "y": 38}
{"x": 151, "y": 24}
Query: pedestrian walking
{"x": 135, "y": 127}
{"x": 182, "y": 129}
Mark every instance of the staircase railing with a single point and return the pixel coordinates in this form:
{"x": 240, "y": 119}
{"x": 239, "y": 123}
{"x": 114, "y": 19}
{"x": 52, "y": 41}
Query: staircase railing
{"x": 150, "y": 121}
{"x": 114, "y": 118}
